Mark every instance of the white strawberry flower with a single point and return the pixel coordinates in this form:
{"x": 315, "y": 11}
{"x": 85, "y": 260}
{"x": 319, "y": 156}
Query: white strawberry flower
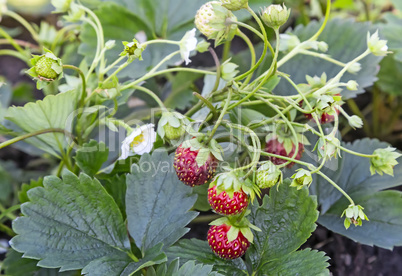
{"x": 141, "y": 140}
{"x": 187, "y": 44}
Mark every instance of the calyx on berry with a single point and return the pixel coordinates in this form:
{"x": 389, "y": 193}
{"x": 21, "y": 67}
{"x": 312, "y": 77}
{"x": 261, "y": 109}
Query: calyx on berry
{"x": 230, "y": 239}
{"x": 195, "y": 164}
{"x": 384, "y": 161}
{"x": 132, "y": 50}
{"x": 172, "y": 125}
{"x": 302, "y": 178}
{"x": 45, "y": 68}
{"x": 354, "y": 215}
{"x": 268, "y": 175}
{"x": 214, "y": 21}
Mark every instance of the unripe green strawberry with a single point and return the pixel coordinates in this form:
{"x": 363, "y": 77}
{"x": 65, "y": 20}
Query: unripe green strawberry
{"x": 235, "y": 5}
{"x": 268, "y": 175}
{"x": 172, "y": 125}
{"x": 213, "y": 21}
{"x": 172, "y": 133}
{"x": 44, "y": 68}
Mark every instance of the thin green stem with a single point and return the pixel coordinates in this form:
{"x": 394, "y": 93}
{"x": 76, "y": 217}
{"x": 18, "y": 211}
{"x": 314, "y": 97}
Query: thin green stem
{"x": 8, "y": 212}
{"x": 252, "y": 52}
{"x": 336, "y": 186}
{"x": 170, "y": 70}
{"x": 322, "y": 56}
{"x": 219, "y": 121}
{"x": 7, "y": 52}
{"x": 207, "y": 103}
{"x": 7, "y": 230}
{"x": 84, "y": 89}
{"x": 165, "y": 59}
{"x": 327, "y": 12}
{"x": 121, "y": 67}
{"x": 11, "y": 41}
{"x": 218, "y": 69}
{"x": 259, "y": 34}
{"x": 152, "y": 94}
{"x": 24, "y": 23}
{"x": 264, "y": 32}
{"x": 226, "y": 50}
{"x": 356, "y": 153}
{"x": 111, "y": 66}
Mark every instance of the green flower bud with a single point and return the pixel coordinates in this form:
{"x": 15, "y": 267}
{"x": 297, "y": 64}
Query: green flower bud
{"x": 268, "y": 175}
{"x": 288, "y": 42}
{"x": 235, "y": 5}
{"x": 228, "y": 70}
{"x": 384, "y": 161}
{"x": 376, "y": 46}
{"x": 132, "y": 50}
{"x": 301, "y": 179}
{"x": 202, "y": 46}
{"x": 61, "y": 5}
{"x": 354, "y": 215}
{"x": 352, "y": 85}
{"x": 354, "y": 68}
{"x": 355, "y": 121}
{"x": 275, "y": 16}
{"x": 172, "y": 125}
{"x": 214, "y": 21}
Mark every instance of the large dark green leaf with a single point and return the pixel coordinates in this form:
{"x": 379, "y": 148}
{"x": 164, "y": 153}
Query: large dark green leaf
{"x": 157, "y": 203}
{"x": 389, "y": 79}
{"x": 181, "y": 93}
{"x": 189, "y": 268}
{"x": 287, "y": 218}
{"x": 91, "y": 156}
{"x": 352, "y": 174}
{"x": 188, "y": 250}
{"x": 70, "y": 222}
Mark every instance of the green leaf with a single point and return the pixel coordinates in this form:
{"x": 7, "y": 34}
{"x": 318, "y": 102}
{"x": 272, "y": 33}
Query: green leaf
{"x": 53, "y": 112}
{"x": 384, "y": 228}
{"x": 391, "y": 27}
{"x": 91, "y": 156}
{"x": 352, "y": 174}
{"x": 6, "y": 181}
{"x": 245, "y": 116}
{"x": 124, "y": 266}
{"x": 202, "y": 203}
{"x": 15, "y": 265}
{"x": 5, "y": 98}
{"x": 287, "y": 218}
{"x": 157, "y": 203}
{"x": 303, "y": 262}
{"x": 116, "y": 187}
{"x": 181, "y": 94}
{"x": 23, "y": 194}
{"x": 388, "y": 77}
{"x": 191, "y": 268}
{"x": 69, "y": 223}
{"x": 188, "y": 250}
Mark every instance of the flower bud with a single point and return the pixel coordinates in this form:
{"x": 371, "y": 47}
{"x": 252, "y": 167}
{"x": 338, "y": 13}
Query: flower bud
{"x": 172, "y": 125}
{"x": 61, "y": 5}
{"x": 288, "y": 42}
{"x": 354, "y": 68}
{"x": 384, "y": 161}
{"x": 355, "y": 121}
{"x": 301, "y": 179}
{"x": 275, "y": 16}
{"x": 268, "y": 175}
{"x": 352, "y": 85}
{"x": 376, "y": 46}
{"x": 214, "y": 21}
{"x": 235, "y": 5}
{"x": 202, "y": 46}
{"x": 228, "y": 70}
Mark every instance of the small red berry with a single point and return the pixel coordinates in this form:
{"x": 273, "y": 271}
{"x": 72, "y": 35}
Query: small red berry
{"x": 325, "y": 117}
{"x": 218, "y": 241}
{"x": 187, "y": 169}
{"x": 276, "y": 147}
{"x": 225, "y": 205}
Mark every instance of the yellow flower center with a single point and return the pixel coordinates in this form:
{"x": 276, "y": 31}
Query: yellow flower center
{"x": 137, "y": 140}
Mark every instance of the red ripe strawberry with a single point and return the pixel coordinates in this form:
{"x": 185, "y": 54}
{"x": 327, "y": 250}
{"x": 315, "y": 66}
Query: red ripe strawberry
{"x": 325, "y": 117}
{"x": 218, "y": 241}
{"x": 187, "y": 169}
{"x": 275, "y": 147}
{"x": 225, "y": 205}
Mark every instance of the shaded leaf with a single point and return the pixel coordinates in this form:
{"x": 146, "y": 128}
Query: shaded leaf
{"x": 91, "y": 156}
{"x": 23, "y": 193}
{"x": 157, "y": 203}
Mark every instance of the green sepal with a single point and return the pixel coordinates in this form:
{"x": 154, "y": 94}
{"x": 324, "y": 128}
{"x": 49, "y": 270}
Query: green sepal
{"x": 233, "y": 233}
{"x": 173, "y": 120}
{"x": 220, "y": 221}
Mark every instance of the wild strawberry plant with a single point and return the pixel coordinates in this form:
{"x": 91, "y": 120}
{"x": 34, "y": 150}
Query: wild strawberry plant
{"x": 260, "y": 147}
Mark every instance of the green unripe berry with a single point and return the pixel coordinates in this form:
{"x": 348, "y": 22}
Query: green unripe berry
{"x": 172, "y": 133}
{"x": 43, "y": 68}
{"x": 268, "y": 175}
{"x": 235, "y": 5}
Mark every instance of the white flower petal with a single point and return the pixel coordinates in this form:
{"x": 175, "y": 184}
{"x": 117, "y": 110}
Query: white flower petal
{"x": 187, "y": 44}
{"x": 149, "y": 138}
